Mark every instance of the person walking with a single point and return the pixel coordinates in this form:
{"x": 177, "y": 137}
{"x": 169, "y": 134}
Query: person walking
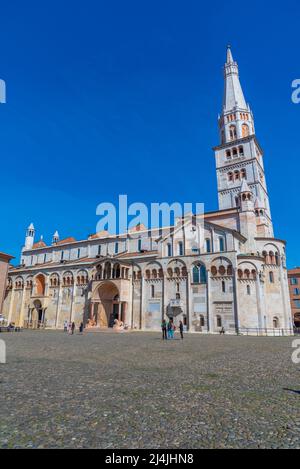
{"x": 65, "y": 326}
{"x": 173, "y": 330}
{"x": 169, "y": 327}
{"x": 81, "y": 328}
{"x": 164, "y": 330}
{"x": 181, "y": 329}
{"x": 73, "y": 327}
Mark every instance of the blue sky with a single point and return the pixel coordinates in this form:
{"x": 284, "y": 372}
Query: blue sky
{"x": 109, "y": 98}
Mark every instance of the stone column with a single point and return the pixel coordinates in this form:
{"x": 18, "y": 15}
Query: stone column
{"x": 21, "y": 317}
{"x": 235, "y": 302}
{"x": 164, "y": 297}
{"x": 11, "y": 305}
{"x": 143, "y": 305}
{"x": 59, "y": 299}
{"x": 189, "y": 301}
{"x": 259, "y": 303}
{"x": 73, "y": 302}
{"x": 208, "y": 303}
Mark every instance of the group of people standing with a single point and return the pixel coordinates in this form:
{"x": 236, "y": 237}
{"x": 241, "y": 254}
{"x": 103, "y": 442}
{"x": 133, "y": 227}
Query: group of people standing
{"x": 169, "y": 328}
{"x": 70, "y": 327}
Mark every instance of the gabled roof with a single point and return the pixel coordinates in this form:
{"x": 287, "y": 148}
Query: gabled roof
{"x": 39, "y": 244}
{"x": 70, "y": 239}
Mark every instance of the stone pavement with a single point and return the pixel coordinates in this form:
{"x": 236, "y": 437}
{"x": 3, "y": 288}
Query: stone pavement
{"x": 135, "y": 391}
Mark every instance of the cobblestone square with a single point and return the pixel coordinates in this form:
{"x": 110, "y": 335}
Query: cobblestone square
{"x": 131, "y": 390}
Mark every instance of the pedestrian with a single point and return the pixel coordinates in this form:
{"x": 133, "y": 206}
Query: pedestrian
{"x": 65, "y": 326}
{"x": 222, "y": 331}
{"x": 181, "y": 329}
{"x": 169, "y": 327}
{"x": 164, "y": 329}
{"x": 173, "y": 329}
{"x": 73, "y": 327}
{"x": 81, "y": 328}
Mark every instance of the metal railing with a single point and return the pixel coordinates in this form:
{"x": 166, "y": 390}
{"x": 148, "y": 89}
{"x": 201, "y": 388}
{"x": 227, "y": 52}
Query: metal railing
{"x": 268, "y": 332}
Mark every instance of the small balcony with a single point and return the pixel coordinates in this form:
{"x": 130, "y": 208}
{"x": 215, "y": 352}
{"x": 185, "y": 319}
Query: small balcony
{"x": 176, "y": 303}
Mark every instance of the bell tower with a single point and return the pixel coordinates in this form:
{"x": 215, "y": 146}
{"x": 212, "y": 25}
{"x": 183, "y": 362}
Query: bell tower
{"x": 239, "y": 156}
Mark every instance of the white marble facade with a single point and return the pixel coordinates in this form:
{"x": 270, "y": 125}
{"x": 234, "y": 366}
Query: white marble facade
{"x": 236, "y": 279}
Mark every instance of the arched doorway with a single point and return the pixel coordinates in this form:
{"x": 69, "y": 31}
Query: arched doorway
{"x": 297, "y": 320}
{"x": 38, "y": 314}
{"x": 106, "y": 306}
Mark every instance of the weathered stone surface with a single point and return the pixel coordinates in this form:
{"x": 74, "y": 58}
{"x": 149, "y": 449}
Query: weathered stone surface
{"x": 107, "y": 390}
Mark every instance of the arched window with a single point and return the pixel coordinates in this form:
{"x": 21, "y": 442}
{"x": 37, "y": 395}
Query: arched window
{"x": 271, "y": 257}
{"x": 139, "y": 245}
{"x": 235, "y": 153}
{"x": 276, "y": 322}
{"x": 177, "y": 271}
{"x": 152, "y": 291}
{"x": 245, "y": 130}
{"x": 228, "y": 154}
{"x": 230, "y": 176}
{"x": 199, "y": 274}
{"x": 180, "y": 248}
{"x": 196, "y": 274}
{"x": 271, "y": 277}
{"x": 236, "y": 175}
{"x": 221, "y": 244}
{"x": 202, "y": 320}
{"x": 241, "y": 151}
{"x": 208, "y": 245}
{"x": 219, "y": 321}
{"x": 243, "y": 174}
{"x": 116, "y": 248}
{"x": 223, "y": 287}
{"x": 232, "y": 132}
{"x": 248, "y": 290}
{"x": 169, "y": 249}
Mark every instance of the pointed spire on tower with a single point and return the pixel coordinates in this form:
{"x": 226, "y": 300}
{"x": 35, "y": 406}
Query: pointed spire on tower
{"x": 55, "y": 237}
{"x": 245, "y": 187}
{"x": 229, "y": 55}
{"x": 233, "y": 95}
{"x": 29, "y": 238}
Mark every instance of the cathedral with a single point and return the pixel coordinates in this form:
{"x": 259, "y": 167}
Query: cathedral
{"x": 236, "y": 279}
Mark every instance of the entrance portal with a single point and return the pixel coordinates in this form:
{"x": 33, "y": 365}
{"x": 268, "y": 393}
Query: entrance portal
{"x": 106, "y": 306}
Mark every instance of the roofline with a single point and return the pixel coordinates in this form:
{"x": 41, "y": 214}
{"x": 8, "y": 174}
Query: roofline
{"x": 6, "y": 257}
{"x": 271, "y": 239}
